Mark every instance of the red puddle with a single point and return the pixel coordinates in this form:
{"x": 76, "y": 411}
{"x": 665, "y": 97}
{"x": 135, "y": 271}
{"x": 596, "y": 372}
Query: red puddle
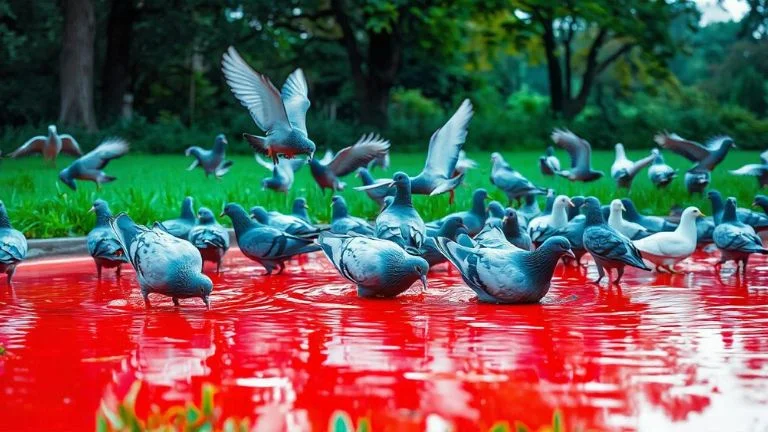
{"x": 686, "y": 352}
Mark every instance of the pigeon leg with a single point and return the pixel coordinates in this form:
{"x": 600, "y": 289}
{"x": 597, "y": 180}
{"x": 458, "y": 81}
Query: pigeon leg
{"x": 119, "y": 269}
{"x": 451, "y": 197}
{"x": 601, "y": 273}
{"x": 98, "y": 271}
{"x": 10, "y": 274}
{"x": 147, "y": 304}
{"x": 268, "y": 268}
{"x": 744, "y": 265}
{"x": 281, "y": 265}
{"x": 218, "y": 267}
{"x": 175, "y": 301}
{"x": 620, "y": 272}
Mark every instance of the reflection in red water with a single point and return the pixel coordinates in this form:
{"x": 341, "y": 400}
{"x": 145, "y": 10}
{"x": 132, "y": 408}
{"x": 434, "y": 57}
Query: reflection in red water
{"x": 682, "y": 352}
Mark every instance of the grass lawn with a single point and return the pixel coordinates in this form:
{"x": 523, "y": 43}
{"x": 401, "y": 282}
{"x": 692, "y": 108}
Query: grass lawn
{"x": 151, "y": 187}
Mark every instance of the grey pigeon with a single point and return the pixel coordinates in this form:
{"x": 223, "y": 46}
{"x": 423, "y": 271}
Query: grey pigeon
{"x": 451, "y": 229}
{"x": 288, "y": 223}
{"x": 400, "y": 222}
{"x": 343, "y": 223}
{"x": 102, "y": 242}
{"x": 13, "y": 246}
{"x": 282, "y": 173}
{"x": 549, "y": 164}
{"x": 90, "y": 166}
{"x": 510, "y": 228}
{"x": 544, "y": 226}
{"x": 376, "y": 194}
{"x": 474, "y": 218}
{"x": 754, "y": 219}
{"x": 346, "y": 161}
{"x": 735, "y": 239}
{"x": 696, "y": 182}
{"x": 210, "y": 238}
{"x": 573, "y": 231}
{"x": 442, "y": 157}
{"x": 762, "y": 202}
{"x": 464, "y": 164}
{"x": 211, "y": 161}
{"x": 759, "y": 171}
{"x": 379, "y": 268}
{"x": 264, "y": 244}
{"x": 660, "y": 174}
{"x": 180, "y": 226}
{"x": 609, "y": 248}
{"x": 299, "y": 209}
{"x": 281, "y": 115}
{"x": 580, "y": 153}
{"x": 510, "y": 181}
{"x": 575, "y": 209}
{"x": 653, "y": 224}
{"x": 164, "y": 264}
{"x": 49, "y": 146}
{"x": 624, "y": 170}
{"x": 706, "y": 157}
{"x": 507, "y": 275}
{"x": 495, "y": 214}
{"x": 530, "y": 209}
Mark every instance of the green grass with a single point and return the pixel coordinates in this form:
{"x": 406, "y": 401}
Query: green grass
{"x": 151, "y": 187}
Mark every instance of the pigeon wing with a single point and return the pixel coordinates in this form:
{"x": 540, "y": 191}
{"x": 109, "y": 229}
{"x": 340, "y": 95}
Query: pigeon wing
{"x": 366, "y": 149}
{"x": 70, "y": 146}
{"x": 690, "y": 150}
{"x": 578, "y": 149}
{"x": 446, "y": 142}
{"x": 98, "y": 158}
{"x": 295, "y": 98}
{"x": 33, "y": 145}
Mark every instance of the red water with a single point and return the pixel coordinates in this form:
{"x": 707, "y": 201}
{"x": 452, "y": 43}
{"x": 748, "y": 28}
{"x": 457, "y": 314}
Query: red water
{"x": 686, "y": 352}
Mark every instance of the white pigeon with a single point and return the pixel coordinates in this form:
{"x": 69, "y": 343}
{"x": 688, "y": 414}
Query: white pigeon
{"x": 632, "y": 230}
{"x": 541, "y": 225}
{"x": 624, "y": 170}
{"x": 665, "y": 249}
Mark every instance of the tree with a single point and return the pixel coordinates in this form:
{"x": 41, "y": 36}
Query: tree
{"x": 116, "y": 73}
{"x": 76, "y": 64}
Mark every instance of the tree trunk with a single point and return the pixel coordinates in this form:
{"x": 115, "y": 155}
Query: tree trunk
{"x": 76, "y": 64}
{"x": 555, "y": 75}
{"x": 116, "y": 77}
{"x": 384, "y": 58}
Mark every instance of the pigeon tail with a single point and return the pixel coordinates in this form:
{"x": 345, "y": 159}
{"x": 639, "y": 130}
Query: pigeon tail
{"x": 257, "y": 143}
{"x": 223, "y": 168}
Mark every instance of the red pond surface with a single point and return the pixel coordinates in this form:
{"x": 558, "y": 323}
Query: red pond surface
{"x": 685, "y": 352}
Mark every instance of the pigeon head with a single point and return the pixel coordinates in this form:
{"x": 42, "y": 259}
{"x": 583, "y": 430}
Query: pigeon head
{"x": 593, "y": 212}
{"x": 496, "y": 157}
{"x": 690, "y": 215}
{"x": 299, "y": 205}
{"x": 187, "y": 209}
{"x": 193, "y": 284}
{"x": 401, "y": 179}
{"x": 65, "y": 176}
{"x": 220, "y": 143}
{"x": 260, "y": 214}
{"x": 420, "y": 268}
{"x": 478, "y": 201}
{"x": 51, "y": 129}
{"x": 510, "y": 223}
{"x": 495, "y": 209}
{"x": 338, "y": 207}
{"x": 717, "y": 201}
{"x": 761, "y": 201}
{"x": 729, "y": 212}
{"x": 619, "y": 150}
{"x": 205, "y": 216}
{"x": 451, "y": 226}
{"x": 550, "y": 151}
{"x": 617, "y": 206}
{"x": 101, "y": 209}
{"x": 238, "y": 216}
{"x": 5, "y": 222}
{"x": 558, "y": 246}
{"x": 307, "y": 146}
{"x": 563, "y": 201}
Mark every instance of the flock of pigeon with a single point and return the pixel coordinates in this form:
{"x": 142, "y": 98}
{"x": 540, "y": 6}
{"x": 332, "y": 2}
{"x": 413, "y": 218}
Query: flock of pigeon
{"x": 504, "y": 254}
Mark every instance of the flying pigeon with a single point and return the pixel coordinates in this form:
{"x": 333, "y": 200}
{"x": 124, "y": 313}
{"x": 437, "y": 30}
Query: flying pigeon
{"x": 376, "y": 194}
{"x": 49, "y": 146}
{"x": 510, "y": 181}
{"x": 624, "y": 170}
{"x": 665, "y": 249}
{"x": 736, "y": 240}
{"x": 379, "y": 268}
{"x": 281, "y": 115}
{"x": 542, "y": 227}
{"x": 282, "y": 173}
{"x": 706, "y": 157}
{"x": 549, "y": 164}
{"x": 474, "y": 218}
{"x": 696, "y": 182}
{"x": 632, "y": 230}
{"x": 180, "y": 226}
{"x": 90, "y": 166}
{"x": 346, "y": 161}
{"x": 164, "y": 264}
{"x": 299, "y": 210}
{"x": 102, "y": 242}
{"x": 343, "y": 223}
{"x": 660, "y": 174}
{"x": 13, "y": 246}
{"x": 464, "y": 164}
{"x": 511, "y": 230}
{"x": 451, "y": 229}
{"x": 211, "y": 161}
{"x": 210, "y": 238}
{"x": 288, "y": 223}
{"x": 759, "y": 171}
{"x": 651, "y": 223}
{"x": 400, "y": 222}
{"x": 580, "y": 153}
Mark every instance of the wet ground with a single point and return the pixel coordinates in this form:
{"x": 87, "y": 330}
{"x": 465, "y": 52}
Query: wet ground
{"x": 683, "y": 352}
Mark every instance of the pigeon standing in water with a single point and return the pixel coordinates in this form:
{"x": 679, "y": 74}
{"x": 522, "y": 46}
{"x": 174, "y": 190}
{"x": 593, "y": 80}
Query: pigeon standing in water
{"x": 651, "y": 223}
{"x": 376, "y": 194}
{"x": 451, "y": 229}
{"x": 281, "y": 115}
{"x": 13, "y": 246}
{"x": 180, "y": 226}
{"x": 759, "y": 171}
{"x": 164, "y": 264}
{"x": 282, "y": 173}
{"x": 573, "y": 231}
{"x": 210, "y": 238}
{"x": 346, "y": 161}
{"x": 510, "y": 181}
{"x": 90, "y": 166}
{"x": 609, "y": 248}
{"x": 474, "y": 219}
{"x": 288, "y": 223}
{"x": 379, "y": 268}
{"x": 660, "y": 174}
{"x": 549, "y": 164}
{"x": 580, "y": 153}
{"x": 264, "y": 244}
{"x": 400, "y": 222}
{"x": 624, "y": 170}
{"x": 759, "y": 222}
{"x": 735, "y": 239}
{"x": 706, "y": 157}
{"x": 102, "y": 243}
{"x": 211, "y": 161}
{"x": 665, "y": 249}
{"x": 616, "y": 220}
{"x": 299, "y": 210}
{"x": 49, "y": 146}
{"x": 343, "y": 223}
{"x": 544, "y": 226}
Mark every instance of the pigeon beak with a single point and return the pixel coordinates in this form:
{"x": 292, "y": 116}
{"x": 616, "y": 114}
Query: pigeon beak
{"x": 701, "y": 214}
{"x": 375, "y": 185}
{"x": 92, "y": 209}
{"x": 754, "y": 204}
{"x": 424, "y": 281}
{"x": 222, "y": 214}
{"x": 623, "y": 208}
{"x": 306, "y": 206}
{"x": 571, "y": 204}
{"x": 570, "y": 254}
{"x": 207, "y": 302}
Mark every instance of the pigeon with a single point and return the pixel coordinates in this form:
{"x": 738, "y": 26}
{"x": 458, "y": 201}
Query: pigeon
{"x": 281, "y": 115}
{"x": 665, "y": 249}
{"x": 379, "y": 268}
{"x": 464, "y": 164}
{"x": 759, "y": 171}
{"x": 343, "y": 223}
{"x": 299, "y": 210}
{"x": 376, "y": 194}
{"x": 495, "y": 214}
{"x": 510, "y": 181}
{"x": 651, "y": 223}
{"x": 49, "y": 146}
{"x": 573, "y": 231}
{"x": 288, "y": 223}
{"x": 474, "y": 218}
{"x": 754, "y": 219}
{"x": 90, "y": 166}
{"x": 530, "y": 209}
{"x": 164, "y": 264}
{"x": 735, "y": 239}
{"x": 282, "y": 173}
{"x": 211, "y": 161}
{"x": 451, "y": 229}
{"x": 632, "y": 230}
{"x": 102, "y": 242}
{"x": 346, "y": 161}
{"x": 210, "y": 238}
{"x": 706, "y": 157}
{"x": 580, "y": 153}
{"x": 762, "y": 202}
{"x": 381, "y": 161}
{"x": 442, "y": 156}
{"x": 549, "y": 164}
{"x": 180, "y": 226}
{"x": 13, "y": 246}
{"x": 264, "y": 244}
{"x": 696, "y": 182}
{"x": 400, "y": 222}
{"x": 544, "y": 226}
{"x": 624, "y": 170}
{"x": 510, "y": 229}
{"x": 609, "y": 248}
{"x": 575, "y": 209}
{"x": 507, "y": 275}
{"x": 660, "y": 174}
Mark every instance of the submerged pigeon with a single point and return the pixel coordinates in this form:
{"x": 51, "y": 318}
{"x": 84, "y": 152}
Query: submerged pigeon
{"x": 706, "y": 157}
{"x": 49, "y": 146}
{"x": 696, "y": 182}
{"x": 580, "y": 153}
{"x": 180, "y": 226}
{"x": 735, "y": 239}
{"x": 759, "y": 171}
{"x": 90, "y": 166}
{"x": 376, "y": 194}
{"x": 343, "y": 223}
{"x": 451, "y": 229}
{"x": 288, "y": 223}
{"x": 210, "y": 238}
{"x": 756, "y": 220}
{"x": 346, "y": 161}
{"x": 665, "y": 249}
{"x": 616, "y": 220}
{"x": 211, "y": 161}
{"x": 651, "y": 223}
{"x": 624, "y": 170}
{"x": 609, "y": 248}
{"x": 510, "y": 181}
{"x": 164, "y": 264}
{"x": 281, "y": 115}
{"x": 102, "y": 242}
{"x": 13, "y": 246}
{"x": 506, "y": 275}
{"x": 544, "y": 226}
{"x": 400, "y": 222}
{"x": 264, "y": 244}
{"x": 511, "y": 229}
{"x": 282, "y": 173}
{"x": 660, "y": 174}
{"x": 299, "y": 209}
{"x": 549, "y": 164}
{"x": 474, "y": 218}
{"x": 464, "y": 164}
{"x": 378, "y": 267}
